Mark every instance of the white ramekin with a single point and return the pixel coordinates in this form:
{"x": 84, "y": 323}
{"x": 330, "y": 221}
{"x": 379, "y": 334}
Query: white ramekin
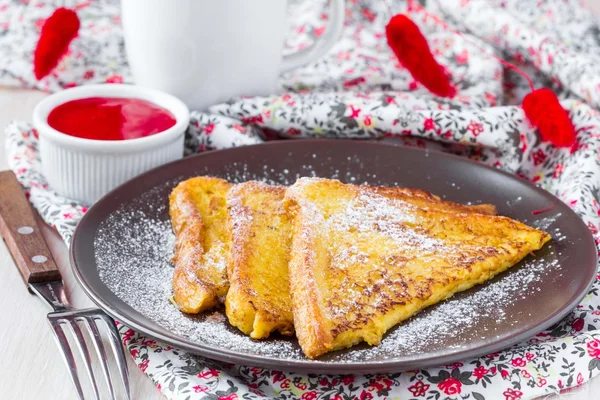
{"x": 85, "y": 169}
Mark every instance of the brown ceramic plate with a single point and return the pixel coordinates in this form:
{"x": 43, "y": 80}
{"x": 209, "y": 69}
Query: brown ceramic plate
{"x": 121, "y": 249}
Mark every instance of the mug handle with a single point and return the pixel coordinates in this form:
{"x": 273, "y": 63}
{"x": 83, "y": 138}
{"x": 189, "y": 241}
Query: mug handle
{"x": 321, "y": 46}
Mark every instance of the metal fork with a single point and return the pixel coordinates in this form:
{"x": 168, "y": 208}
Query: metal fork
{"x": 24, "y": 239}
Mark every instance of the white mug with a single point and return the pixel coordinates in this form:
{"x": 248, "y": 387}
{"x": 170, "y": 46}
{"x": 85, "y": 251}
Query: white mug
{"x": 209, "y": 51}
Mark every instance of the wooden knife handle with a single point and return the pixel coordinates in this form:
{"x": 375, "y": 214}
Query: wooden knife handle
{"x": 19, "y": 228}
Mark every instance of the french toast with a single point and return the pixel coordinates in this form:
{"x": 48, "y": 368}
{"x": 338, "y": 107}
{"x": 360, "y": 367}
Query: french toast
{"x": 364, "y": 259}
{"x": 425, "y": 199}
{"x": 258, "y": 301}
{"x": 198, "y": 211}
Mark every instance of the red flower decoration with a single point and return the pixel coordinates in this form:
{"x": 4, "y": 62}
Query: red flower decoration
{"x": 558, "y": 169}
{"x": 144, "y": 365}
{"x": 491, "y": 98}
{"x": 240, "y": 128}
{"x": 116, "y": 78}
{"x": 285, "y": 384}
{"x": 200, "y": 389}
{"x": 429, "y": 124}
{"x": 539, "y": 157}
{"x": 89, "y": 74}
{"x": 480, "y": 372}
{"x": 348, "y": 380}
{"x": 512, "y": 394}
{"x": 577, "y": 324}
{"x": 541, "y": 381}
{"x": 256, "y": 119}
{"x": 309, "y": 395}
{"x": 207, "y": 374}
{"x": 475, "y": 128}
{"x": 383, "y": 383}
{"x": 354, "y": 82}
{"x": 293, "y": 131}
{"x": 463, "y": 57}
{"x": 354, "y": 112}
{"x": 593, "y": 348}
{"x": 368, "y": 14}
{"x": 419, "y": 389}
{"x": 519, "y": 362}
{"x": 450, "y": 386}
{"x": 127, "y": 336}
{"x": 209, "y": 128}
{"x": 319, "y": 31}
{"x": 364, "y": 395}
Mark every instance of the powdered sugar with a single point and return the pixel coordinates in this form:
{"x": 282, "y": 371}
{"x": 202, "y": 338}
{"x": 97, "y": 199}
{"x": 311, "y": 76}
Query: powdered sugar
{"x": 133, "y": 250}
{"x": 546, "y": 222}
{"x": 370, "y": 212}
{"x": 368, "y": 209}
{"x": 137, "y": 267}
{"x": 212, "y": 259}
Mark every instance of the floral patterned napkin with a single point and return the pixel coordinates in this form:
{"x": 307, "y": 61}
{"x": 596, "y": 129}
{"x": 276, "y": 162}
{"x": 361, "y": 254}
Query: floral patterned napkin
{"x": 358, "y": 90}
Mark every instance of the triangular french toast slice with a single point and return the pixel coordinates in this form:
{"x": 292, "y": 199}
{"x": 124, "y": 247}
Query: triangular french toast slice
{"x": 364, "y": 259}
{"x": 198, "y": 211}
{"x": 258, "y": 301}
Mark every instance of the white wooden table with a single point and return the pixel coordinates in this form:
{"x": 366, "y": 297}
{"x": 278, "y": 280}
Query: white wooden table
{"x": 30, "y": 363}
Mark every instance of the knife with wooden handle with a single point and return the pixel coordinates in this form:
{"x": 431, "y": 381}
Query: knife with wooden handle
{"x": 23, "y": 236}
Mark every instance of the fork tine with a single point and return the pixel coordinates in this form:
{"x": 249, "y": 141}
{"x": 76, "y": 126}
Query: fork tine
{"x": 117, "y": 347}
{"x": 66, "y": 354}
{"x": 83, "y": 349}
{"x": 99, "y": 346}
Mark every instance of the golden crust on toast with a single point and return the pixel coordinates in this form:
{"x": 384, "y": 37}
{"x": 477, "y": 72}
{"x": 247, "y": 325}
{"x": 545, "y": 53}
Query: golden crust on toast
{"x": 198, "y": 213}
{"x": 365, "y": 259}
{"x": 425, "y": 199}
{"x": 258, "y": 301}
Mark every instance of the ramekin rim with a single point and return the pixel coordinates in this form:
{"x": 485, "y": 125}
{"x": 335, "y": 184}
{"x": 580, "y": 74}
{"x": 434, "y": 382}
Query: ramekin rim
{"x": 169, "y": 102}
